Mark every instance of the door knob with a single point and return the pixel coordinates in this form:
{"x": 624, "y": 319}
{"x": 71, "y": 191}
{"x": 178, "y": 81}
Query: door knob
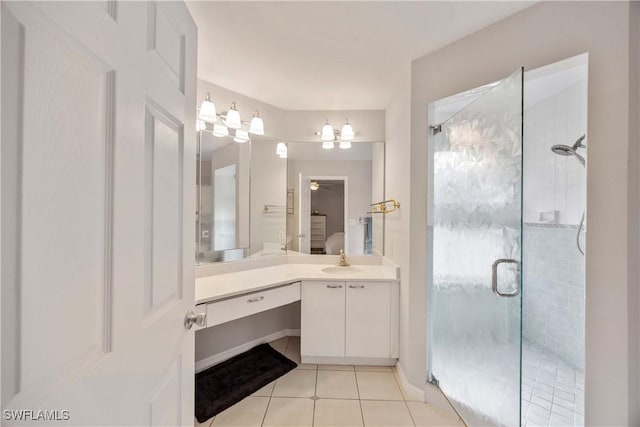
{"x": 301, "y": 235}
{"x": 199, "y": 319}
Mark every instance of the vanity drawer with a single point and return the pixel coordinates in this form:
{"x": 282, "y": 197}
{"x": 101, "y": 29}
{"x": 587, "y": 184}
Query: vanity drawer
{"x": 245, "y": 305}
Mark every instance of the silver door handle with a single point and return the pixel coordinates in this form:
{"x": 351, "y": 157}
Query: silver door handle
{"x": 334, "y": 286}
{"x": 494, "y": 277}
{"x": 356, "y": 286}
{"x": 199, "y": 319}
{"x": 255, "y": 299}
{"x": 301, "y": 235}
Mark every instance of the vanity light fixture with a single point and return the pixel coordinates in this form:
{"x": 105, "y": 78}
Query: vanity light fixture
{"x": 241, "y": 136}
{"x": 233, "y": 118}
{"x": 330, "y": 136}
{"x": 208, "y": 110}
{"x": 257, "y": 125}
{"x": 220, "y": 130}
{"x": 281, "y": 150}
{"x": 200, "y": 125}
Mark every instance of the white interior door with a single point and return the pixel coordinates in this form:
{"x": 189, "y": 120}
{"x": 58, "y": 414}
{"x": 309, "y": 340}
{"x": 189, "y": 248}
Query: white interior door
{"x": 98, "y": 159}
{"x": 304, "y": 232}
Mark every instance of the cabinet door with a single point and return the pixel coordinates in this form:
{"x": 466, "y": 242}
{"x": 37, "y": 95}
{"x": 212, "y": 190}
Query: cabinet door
{"x": 368, "y": 319}
{"x": 322, "y": 325}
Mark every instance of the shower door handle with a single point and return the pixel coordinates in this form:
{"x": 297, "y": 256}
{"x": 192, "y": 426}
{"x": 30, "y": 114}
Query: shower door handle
{"x": 494, "y": 277}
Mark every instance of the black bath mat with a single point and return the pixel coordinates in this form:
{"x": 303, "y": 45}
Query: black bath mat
{"x": 227, "y": 383}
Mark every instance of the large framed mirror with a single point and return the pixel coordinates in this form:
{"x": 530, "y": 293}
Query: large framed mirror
{"x": 241, "y": 190}
{"x": 330, "y": 193}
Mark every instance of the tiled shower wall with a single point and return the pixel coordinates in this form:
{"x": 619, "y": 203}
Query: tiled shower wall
{"x": 553, "y": 291}
{"x": 553, "y": 269}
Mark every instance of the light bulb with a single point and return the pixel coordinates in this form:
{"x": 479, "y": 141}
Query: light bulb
{"x": 220, "y": 130}
{"x": 327, "y": 145}
{"x": 327, "y": 132}
{"x": 345, "y": 144}
{"x": 257, "y": 125}
{"x": 281, "y": 149}
{"x": 242, "y": 136}
{"x": 233, "y": 118}
{"x": 347, "y": 132}
{"x": 208, "y": 110}
{"x": 314, "y": 185}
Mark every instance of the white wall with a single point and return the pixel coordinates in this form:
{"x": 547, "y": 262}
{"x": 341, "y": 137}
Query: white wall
{"x": 397, "y": 224}
{"x": 543, "y": 34}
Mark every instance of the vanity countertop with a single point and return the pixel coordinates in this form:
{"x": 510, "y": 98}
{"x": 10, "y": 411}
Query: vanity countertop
{"x": 212, "y": 288}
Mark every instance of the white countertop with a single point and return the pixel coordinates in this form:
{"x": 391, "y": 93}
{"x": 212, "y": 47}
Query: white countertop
{"x": 220, "y": 286}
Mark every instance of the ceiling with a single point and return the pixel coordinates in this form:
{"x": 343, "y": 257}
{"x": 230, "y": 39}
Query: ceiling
{"x": 322, "y": 55}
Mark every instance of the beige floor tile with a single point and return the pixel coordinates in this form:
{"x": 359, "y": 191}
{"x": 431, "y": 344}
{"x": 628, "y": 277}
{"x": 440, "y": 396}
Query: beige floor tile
{"x": 337, "y": 413}
{"x": 265, "y": 391}
{"x": 289, "y": 412}
{"x": 385, "y": 413}
{"x": 307, "y": 366}
{"x": 204, "y": 424}
{"x": 337, "y": 385}
{"x": 297, "y": 383}
{"x": 293, "y": 355}
{"x": 335, "y": 367}
{"x": 279, "y": 343}
{"x": 408, "y": 395}
{"x": 378, "y": 386}
{"x": 248, "y": 412}
{"x": 373, "y": 368}
{"x": 426, "y": 415}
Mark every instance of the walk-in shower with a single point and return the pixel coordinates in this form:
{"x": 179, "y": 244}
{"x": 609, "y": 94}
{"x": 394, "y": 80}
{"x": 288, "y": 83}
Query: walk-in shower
{"x": 506, "y": 292}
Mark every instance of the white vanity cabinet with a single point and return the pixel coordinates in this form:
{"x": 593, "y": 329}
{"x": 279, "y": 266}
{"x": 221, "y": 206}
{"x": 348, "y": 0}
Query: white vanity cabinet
{"x": 349, "y": 322}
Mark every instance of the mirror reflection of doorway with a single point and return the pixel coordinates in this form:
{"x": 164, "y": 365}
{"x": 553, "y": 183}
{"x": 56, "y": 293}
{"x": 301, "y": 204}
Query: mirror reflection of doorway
{"x": 323, "y": 216}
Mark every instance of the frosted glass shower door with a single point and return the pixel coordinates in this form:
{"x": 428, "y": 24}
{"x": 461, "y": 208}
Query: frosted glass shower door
{"x": 475, "y": 298}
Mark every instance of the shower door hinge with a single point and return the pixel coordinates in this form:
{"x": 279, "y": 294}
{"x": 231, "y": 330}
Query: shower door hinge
{"x": 433, "y": 380}
{"x": 436, "y": 129}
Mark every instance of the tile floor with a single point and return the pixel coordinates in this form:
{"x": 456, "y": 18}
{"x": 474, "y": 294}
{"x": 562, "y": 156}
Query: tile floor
{"x": 331, "y": 396}
{"x": 552, "y": 390}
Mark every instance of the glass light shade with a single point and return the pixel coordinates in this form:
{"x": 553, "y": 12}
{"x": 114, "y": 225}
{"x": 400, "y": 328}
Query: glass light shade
{"x": 257, "y": 125}
{"x": 220, "y": 130}
{"x": 345, "y": 144}
{"x": 281, "y": 149}
{"x": 283, "y": 156}
{"x": 233, "y": 118}
{"x": 327, "y": 145}
{"x": 327, "y": 133}
{"x": 200, "y": 125}
{"x": 208, "y": 110}
{"x": 315, "y": 185}
{"x": 347, "y": 133}
{"x": 242, "y": 136}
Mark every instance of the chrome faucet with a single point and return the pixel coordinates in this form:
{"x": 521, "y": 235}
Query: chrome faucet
{"x": 343, "y": 259}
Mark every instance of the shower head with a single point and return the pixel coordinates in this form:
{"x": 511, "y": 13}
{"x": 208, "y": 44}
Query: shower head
{"x": 565, "y": 150}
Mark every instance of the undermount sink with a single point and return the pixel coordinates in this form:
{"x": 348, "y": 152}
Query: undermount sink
{"x": 341, "y": 270}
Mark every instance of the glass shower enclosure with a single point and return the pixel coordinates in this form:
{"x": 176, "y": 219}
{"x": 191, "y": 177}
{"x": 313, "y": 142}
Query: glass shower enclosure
{"x": 475, "y": 218}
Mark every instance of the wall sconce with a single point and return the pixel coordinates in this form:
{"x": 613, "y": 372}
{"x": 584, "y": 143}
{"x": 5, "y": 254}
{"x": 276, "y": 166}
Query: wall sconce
{"x": 330, "y": 136}
{"x": 229, "y": 120}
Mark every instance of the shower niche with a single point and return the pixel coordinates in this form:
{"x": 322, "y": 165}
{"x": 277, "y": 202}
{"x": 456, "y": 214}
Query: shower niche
{"x": 507, "y": 232}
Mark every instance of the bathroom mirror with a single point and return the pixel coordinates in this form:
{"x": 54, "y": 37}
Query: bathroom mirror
{"x": 329, "y": 197}
{"x": 242, "y": 195}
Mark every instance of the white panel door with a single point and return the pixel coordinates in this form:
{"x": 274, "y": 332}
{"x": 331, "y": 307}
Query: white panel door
{"x": 304, "y": 228}
{"x": 322, "y": 319}
{"x": 98, "y": 159}
{"x": 368, "y": 319}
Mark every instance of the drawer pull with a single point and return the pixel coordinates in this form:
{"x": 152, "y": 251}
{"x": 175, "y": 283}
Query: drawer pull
{"x": 334, "y": 286}
{"x": 255, "y": 299}
{"x": 356, "y": 286}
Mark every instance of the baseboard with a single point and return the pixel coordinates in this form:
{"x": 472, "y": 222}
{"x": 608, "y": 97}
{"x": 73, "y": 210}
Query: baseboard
{"x": 207, "y": 362}
{"x": 409, "y": 388}
{"x": 367, "y": 361}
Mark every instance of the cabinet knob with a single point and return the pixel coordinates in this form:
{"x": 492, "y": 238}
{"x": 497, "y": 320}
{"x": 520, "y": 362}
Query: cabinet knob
{"x": 255, "y": 299}
{"x": 356, "y": 286}
{"x": 334, "y": 286}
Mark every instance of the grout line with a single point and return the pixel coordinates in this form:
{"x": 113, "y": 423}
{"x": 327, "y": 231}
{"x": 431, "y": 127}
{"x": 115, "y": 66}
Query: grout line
{"x": 404, "y": 399}
{"x": 315, "y": 395}
{"x": 355, "y": 374}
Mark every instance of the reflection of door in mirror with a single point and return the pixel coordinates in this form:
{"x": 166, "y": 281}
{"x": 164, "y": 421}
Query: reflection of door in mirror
{"x": 224, "y": 209}
{"x": 327, "y": 227}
